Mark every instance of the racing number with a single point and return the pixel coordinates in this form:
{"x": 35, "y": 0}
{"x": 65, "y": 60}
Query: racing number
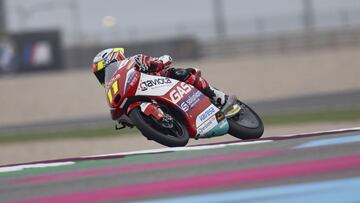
{"x": 112, "y": 91}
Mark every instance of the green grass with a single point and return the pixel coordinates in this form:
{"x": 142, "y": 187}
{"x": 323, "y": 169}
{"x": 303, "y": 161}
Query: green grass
{"x": 90, "y": 132}
{"x": 340, "y": 115}
{"x": 109, "y": 131}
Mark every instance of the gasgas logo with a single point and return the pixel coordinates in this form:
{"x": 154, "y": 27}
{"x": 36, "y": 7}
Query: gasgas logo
{"x": 178, "y": 93}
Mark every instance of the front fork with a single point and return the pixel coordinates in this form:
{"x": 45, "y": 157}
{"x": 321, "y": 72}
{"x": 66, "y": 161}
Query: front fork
{"x": 153, "y": 110}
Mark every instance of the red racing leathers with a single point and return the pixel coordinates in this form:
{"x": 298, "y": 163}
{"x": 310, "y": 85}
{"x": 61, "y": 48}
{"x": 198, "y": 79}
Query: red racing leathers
{"x": 161, "y": 66}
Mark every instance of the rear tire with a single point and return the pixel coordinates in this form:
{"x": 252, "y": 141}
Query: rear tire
{"x": 246, "y": 125}
{"x": 178, "y": 136}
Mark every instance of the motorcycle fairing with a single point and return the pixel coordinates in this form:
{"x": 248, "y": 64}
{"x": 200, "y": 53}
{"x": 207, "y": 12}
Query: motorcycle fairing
{"x": 221, "y": 128}
{"x": 199, "y": 112}
{"x": 210, "y": 123}
{"x": 122, "y": 85}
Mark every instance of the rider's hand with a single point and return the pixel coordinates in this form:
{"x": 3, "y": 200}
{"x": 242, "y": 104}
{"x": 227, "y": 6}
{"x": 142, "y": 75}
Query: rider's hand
{"x": 148, "y": 64}
{"x": 166, "y": 60}
{"x": 156, "y": 66}
{"x": 142, "y": 62}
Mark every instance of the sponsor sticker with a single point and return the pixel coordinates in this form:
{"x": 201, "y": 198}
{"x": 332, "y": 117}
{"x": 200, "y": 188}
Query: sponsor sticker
{"x": 179, "y": 92}
{"x": 154, "y": 83}
{"x": 208, "y": 125}
{"x": 209, "y": 112}
{"x": 194, "y": 98}
{"x": 191, "y": 100}
{"x": 206, "y": 114}
{"x": 150, "y": 85}
{"x": 185, "y": 107}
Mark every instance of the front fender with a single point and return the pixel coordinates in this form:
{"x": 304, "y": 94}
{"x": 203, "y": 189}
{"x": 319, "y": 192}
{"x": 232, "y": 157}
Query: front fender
{"x": 132, "y": 106}
{"x": 148, "y": 108}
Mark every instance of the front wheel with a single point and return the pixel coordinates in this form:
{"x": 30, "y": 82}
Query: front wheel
{"x": 177, "y": 136}
{"x": 246, "y": 124}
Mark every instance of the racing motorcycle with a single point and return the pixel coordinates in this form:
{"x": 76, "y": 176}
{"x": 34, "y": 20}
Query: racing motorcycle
{"x": 169, "y": 111}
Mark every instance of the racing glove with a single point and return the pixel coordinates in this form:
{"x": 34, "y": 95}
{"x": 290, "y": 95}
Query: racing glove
{"x": 142, "y": 62}
{"x": 148, "y": 64}
{"x": 159, "y": 65}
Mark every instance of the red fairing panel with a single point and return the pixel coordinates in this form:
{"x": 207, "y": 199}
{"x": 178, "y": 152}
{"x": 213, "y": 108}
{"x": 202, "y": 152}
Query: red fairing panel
{"x": 121, "y": 86}
{"x": 190, "y": 101}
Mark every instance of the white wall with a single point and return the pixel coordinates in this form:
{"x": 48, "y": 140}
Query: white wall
{"x": 54, "y": 96}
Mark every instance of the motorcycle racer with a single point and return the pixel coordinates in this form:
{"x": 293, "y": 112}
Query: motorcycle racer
{"x": 161, "y": 67}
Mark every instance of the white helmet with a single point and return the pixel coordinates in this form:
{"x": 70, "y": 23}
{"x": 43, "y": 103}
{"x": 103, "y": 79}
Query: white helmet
{"x": 103, "y": 59}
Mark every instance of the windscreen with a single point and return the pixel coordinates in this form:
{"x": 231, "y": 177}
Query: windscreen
{"x": 110, "y": 70}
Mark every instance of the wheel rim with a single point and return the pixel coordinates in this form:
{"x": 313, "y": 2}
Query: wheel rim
{"x": 246, "y": 118}
{"x": 176, "y": 131}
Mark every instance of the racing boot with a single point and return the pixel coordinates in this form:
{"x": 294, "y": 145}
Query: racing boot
{"x": 227, "y": 104}
{"x": 230, "y": 107}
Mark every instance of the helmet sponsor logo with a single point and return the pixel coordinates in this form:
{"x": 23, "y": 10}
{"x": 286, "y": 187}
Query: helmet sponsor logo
{"x": 178, "y": 93}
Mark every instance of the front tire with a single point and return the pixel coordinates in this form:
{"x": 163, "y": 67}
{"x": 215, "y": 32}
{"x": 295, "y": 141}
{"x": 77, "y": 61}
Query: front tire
{"x": 177, "y": 136}
{"x": 247, "y": 124}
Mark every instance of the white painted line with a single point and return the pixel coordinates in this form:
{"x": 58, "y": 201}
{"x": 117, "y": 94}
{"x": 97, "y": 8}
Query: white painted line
{"x": 217, "y": 145}
{"x": 249, "y": 143}
{"x": 175, "y": 149}
{"x": 203, "y": 147}
{"x": 22, "y": 167}
{"x": 321, "y": 132}
{"x": 130, "y": 153}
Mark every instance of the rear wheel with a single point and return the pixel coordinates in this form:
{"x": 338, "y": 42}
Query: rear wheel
{"x": 176, "y": 136}
{"x": 246, "y": 124}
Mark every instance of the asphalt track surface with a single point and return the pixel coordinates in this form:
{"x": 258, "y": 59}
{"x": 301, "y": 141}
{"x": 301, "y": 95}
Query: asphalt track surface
{"x": 315, "y": 167}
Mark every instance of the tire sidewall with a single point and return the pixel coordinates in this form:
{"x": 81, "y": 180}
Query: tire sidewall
{"x": 243, "y": 132}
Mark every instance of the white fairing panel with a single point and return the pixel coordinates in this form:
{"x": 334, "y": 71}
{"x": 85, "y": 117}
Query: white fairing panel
{"x": 207, "y": 126}
{"x": 151, "y": 85}
{"x": 206, "y": 114}
{"x": 206, "y": 120}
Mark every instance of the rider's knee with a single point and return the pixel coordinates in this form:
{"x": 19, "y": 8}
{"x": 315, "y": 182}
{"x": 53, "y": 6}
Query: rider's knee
{"x": 180, "y": 74}
{"x": 184, "y": 74}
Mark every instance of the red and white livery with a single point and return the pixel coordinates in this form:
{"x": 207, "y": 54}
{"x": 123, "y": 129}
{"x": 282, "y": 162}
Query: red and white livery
{"x": 169, "y": 111}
